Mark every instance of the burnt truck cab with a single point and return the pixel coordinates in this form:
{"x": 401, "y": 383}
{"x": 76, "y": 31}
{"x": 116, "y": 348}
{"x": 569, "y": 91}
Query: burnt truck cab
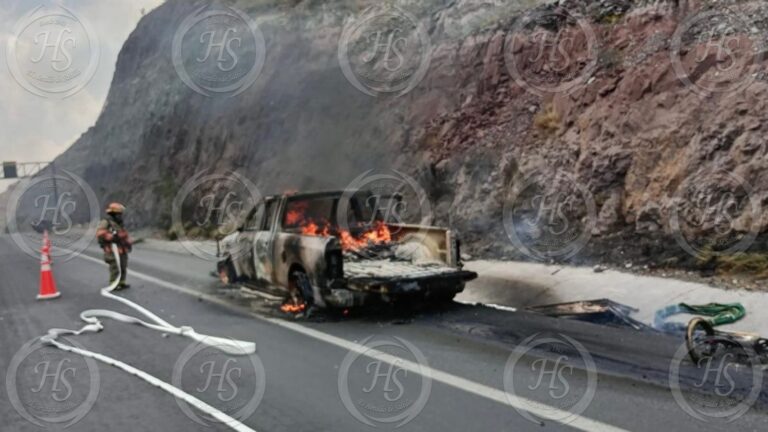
{"x": 295, "y": 244}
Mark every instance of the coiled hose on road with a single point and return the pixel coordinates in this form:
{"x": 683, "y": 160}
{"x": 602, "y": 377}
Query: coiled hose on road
{"x": 719, "y": 313}
{"x": 94, "y": 325}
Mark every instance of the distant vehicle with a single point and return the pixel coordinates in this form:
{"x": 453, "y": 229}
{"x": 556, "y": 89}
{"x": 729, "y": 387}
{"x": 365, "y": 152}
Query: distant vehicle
{"x": 294, "y": 243}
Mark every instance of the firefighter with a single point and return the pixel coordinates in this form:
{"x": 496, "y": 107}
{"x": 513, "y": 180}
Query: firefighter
{"x": 112, "y": 230}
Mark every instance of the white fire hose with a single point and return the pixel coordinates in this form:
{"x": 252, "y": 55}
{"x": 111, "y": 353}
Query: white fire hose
{"x": 229, "y": 346}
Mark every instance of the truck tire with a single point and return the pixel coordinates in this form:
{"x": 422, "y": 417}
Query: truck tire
{"x": 300, "y": 298}
{"x": 227, "y": 273}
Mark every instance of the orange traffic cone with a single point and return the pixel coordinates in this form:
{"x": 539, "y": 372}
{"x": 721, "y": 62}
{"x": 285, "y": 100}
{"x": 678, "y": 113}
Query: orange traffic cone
{"x": 47, "y": 284}
{"x": 47, "y": 243}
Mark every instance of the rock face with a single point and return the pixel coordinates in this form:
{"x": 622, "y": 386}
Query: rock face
{"x": 645, "y": 123}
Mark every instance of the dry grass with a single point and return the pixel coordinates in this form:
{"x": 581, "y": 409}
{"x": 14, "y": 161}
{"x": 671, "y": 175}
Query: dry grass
{"x": 547, "y": 120}
{"x": 611, "y": 18}
{"x": 755, "y": 264}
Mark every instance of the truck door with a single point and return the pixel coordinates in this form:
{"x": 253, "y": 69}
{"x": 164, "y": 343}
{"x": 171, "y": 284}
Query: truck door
{"x": 264, "y": 243}
{"x": 246, "y": 241}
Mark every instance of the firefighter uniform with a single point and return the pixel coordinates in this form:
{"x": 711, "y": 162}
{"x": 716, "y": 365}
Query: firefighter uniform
{"x": 112, "y": 230}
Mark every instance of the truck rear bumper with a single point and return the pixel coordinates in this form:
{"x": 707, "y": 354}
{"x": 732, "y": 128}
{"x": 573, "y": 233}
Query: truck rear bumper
{"x": 367, "y": 290}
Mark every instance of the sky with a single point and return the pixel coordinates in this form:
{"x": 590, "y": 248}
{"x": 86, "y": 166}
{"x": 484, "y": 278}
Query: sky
{"x": 38, "y": 128}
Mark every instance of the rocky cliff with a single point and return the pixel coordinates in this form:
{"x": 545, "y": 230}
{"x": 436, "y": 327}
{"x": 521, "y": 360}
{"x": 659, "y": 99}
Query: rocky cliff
{"x": 627, "y": 117}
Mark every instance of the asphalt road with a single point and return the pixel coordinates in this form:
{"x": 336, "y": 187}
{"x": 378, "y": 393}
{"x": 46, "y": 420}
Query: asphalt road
{"x": 459, "y": 368}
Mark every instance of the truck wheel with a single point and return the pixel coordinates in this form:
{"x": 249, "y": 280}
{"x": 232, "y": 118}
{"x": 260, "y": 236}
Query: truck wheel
{"x": 300, "y": 296}
{"x": 227, "y": 273}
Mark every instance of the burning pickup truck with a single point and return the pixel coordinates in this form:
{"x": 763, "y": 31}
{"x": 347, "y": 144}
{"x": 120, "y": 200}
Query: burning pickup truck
{"x": 298, "y": 244}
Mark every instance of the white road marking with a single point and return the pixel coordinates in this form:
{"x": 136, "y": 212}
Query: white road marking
{"x": 222, "y": 417}
{"x": 91, "y": 317}
{"x": 493, "y": 394}
{"x": 247, "y": 292}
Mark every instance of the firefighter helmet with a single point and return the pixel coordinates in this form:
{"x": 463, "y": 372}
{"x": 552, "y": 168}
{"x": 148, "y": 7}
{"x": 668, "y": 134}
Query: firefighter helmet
{"x": 115, "y": 208}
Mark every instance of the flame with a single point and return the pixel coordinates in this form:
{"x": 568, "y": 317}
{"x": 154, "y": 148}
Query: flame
{"x": 313, "y": 229}
{"x": 295, "y": 214}
{"x": 379, "y": 234}
{"x": 293, "y": 218}
{"x": 293, "y": 308}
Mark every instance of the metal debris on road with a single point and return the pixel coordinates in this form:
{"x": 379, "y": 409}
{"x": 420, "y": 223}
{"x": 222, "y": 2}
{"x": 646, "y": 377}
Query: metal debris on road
{"x": 604, "y": 311}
